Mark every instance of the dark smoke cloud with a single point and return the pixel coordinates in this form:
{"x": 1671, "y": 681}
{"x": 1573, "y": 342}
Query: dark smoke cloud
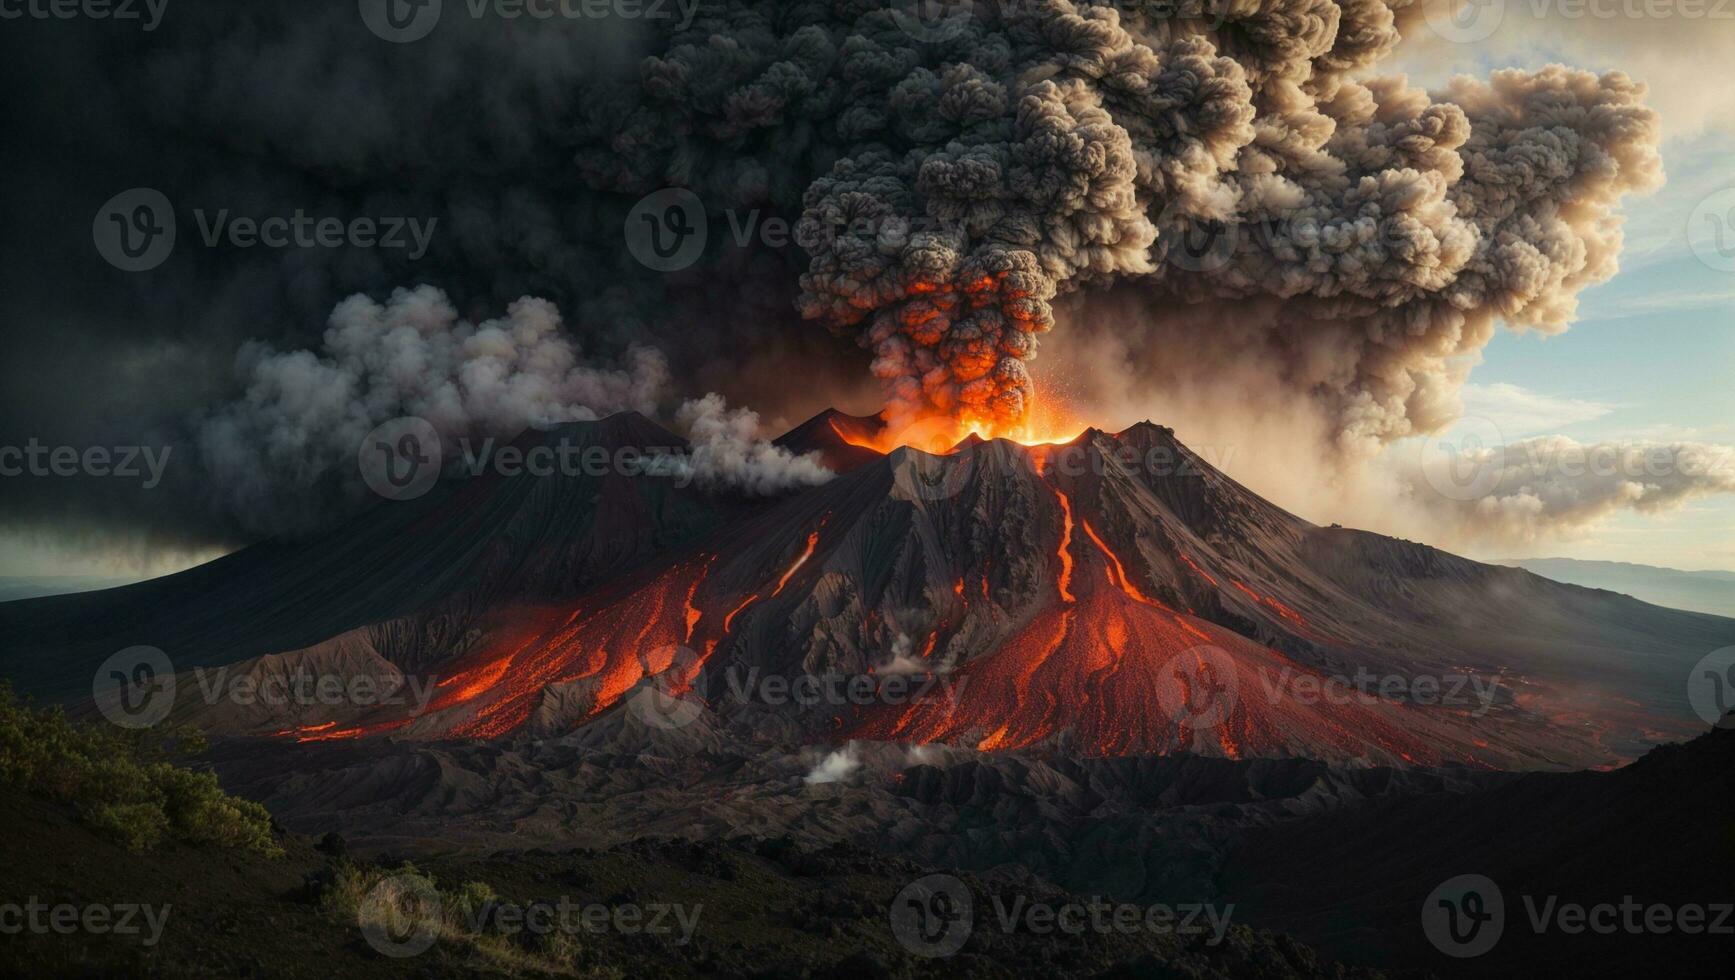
{"x": 955, "y": 182}
{"x": 1026, "y": 149}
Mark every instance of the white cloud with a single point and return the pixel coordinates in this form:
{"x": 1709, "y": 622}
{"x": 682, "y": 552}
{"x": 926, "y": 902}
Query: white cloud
{"x": 1517, "y": 411}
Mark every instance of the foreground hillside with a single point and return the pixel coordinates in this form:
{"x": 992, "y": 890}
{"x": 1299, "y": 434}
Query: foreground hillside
{"x": 761, "y": 909}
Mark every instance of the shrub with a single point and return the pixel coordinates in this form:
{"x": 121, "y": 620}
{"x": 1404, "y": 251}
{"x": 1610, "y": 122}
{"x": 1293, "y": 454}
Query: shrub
{"x": 122, "y": 784}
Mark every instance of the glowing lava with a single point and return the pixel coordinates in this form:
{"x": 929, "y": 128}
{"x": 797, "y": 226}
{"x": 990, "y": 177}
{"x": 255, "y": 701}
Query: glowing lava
{"x": 1117, "y": 572}
{"x": 1045, "y": 425}
{"x": 1065, "y": 548}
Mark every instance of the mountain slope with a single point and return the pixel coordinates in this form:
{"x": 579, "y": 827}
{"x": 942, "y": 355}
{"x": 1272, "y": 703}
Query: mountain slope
{"x": 1117, "y": 595}
{"x": 419, "y": 575}
{"x": 1706, "y": 592}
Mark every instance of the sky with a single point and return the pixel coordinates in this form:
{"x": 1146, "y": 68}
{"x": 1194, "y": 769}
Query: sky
{"x": 1652, "y": 355}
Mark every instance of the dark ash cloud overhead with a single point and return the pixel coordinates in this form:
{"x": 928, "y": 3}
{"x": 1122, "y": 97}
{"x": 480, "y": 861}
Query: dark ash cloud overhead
{"x": 954, "y": 182}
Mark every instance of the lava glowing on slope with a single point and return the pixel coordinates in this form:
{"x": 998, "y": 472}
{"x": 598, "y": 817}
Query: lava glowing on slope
{"x": 1117, "y": 572}
{"x": 1046, "y": 424}
{"x": 1272, "y": 604}
{"x": 1065, "y": 581}
{"x": 1104, "y": 663}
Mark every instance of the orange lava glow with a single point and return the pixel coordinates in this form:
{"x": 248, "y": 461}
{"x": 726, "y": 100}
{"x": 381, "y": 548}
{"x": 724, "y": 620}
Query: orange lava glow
{"x": 1065, "y": 581}
{"x": 1117, "y": 573}
{"x": 1046, "y": 424}
{"x": 1094, "y": 670}
{"x": 1272, "y": 604}
{"x": 783, "y": 583}
{"x": 1200, "y": 571}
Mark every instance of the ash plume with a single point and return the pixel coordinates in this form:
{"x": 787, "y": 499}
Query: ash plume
{"x": 1022, "y": 151}
{"x": 961, "y": 186}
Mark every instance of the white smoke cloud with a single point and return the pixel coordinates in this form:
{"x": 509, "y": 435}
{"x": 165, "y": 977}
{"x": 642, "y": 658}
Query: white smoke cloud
{"x": 1551, "y": 487}
{"x": 835, "y": 767}
{"x": 304, "y": 412}
{"x": 903, "y": 660}
{"x": 728, "y": 448}
{"x": 1673, "y": 47}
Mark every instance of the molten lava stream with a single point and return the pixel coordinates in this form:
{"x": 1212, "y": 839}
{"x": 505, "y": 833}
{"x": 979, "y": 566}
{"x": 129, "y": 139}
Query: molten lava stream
{"x": 1094, "y": 664}
{"x": 1279, "y": 608}
{"x": 1065, "y": 581}
{"x": 606, "y": 642}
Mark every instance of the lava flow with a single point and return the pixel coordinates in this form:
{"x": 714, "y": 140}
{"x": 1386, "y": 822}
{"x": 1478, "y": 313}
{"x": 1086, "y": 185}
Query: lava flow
{"x": 1116, "y": 671}
{"x": 1046, "y": 424}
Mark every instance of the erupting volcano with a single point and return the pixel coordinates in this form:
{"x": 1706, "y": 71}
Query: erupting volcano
{"x": 1112, "y": 594}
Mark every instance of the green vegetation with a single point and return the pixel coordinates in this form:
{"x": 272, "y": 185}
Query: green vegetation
{"x": 406, "y": 901}
{"x": 123, "y": 783}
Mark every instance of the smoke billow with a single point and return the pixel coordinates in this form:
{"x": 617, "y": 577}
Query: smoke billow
{"x": 728, "y": 448}
{"x": 1015, "y": 152}
{"x": 305, "y": 413}
{"x": 1227, "y": 193}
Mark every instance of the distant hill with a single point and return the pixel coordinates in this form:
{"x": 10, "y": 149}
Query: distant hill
{"x": 31, "y": 588}
{"x": 1707, "y": 592}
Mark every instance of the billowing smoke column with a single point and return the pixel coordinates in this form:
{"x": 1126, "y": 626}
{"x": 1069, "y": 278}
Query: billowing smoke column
{"x": 960, "y": 171}
{"x": 305, "y": 412}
